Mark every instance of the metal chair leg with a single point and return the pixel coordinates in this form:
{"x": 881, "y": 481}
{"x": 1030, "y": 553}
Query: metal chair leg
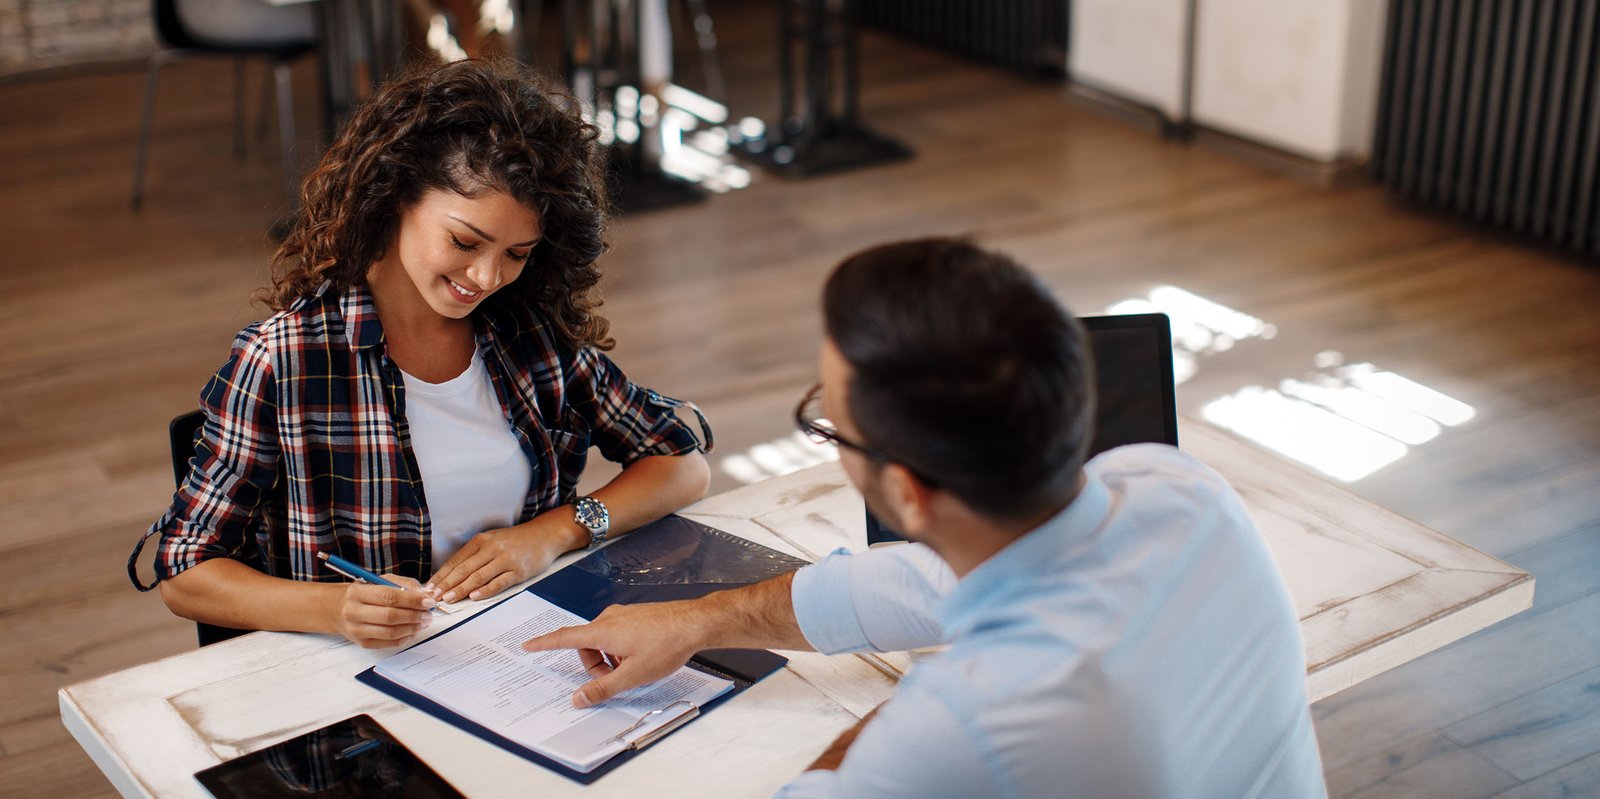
{"x": 280, "y": 70}
{"x": 264, "y": 112}
{"x": 238, "y": 108}
{"x": 157, "y": 60}
{"x": 706, "y": 38}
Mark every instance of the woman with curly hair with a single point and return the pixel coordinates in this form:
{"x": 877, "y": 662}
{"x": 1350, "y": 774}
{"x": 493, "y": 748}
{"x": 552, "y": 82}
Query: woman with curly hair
{"x": 423, "y": 399}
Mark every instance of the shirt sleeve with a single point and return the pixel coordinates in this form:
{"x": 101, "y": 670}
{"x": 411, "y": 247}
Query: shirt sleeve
{"x": 627, "y": 422}
{"x": 914, "y": 747}
{"x": 235, "y": 464}
{"x": 881, "y": 600}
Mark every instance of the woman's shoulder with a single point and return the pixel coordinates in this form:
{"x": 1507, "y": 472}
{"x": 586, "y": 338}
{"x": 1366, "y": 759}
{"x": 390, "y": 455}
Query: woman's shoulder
{"x": 316, "y": 320}
{"x": 525, "y": 331}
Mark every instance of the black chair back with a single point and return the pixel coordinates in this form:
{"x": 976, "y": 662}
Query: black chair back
{"x": 177, "y": 36}
{"x": 170, "y": 28}
{"x": 181, "y": 434}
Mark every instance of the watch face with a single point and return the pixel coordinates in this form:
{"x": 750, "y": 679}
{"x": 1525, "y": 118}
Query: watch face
{"x": 592, "y": 514}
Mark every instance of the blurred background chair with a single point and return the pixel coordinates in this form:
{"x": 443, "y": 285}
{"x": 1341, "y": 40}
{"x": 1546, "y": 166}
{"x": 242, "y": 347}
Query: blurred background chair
{"x": 239, "y": 29}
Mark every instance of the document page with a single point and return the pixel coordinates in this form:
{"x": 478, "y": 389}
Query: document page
{"x": 480, "y": 671}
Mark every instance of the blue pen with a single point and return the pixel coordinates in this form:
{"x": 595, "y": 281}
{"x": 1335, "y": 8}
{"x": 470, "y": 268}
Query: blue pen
{"x": 355, "y": 572}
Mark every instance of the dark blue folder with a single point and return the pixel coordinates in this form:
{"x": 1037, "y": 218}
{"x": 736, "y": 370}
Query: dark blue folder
{"x": 673, "y": 558}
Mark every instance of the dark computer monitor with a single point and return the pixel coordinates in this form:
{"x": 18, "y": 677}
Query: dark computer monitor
{"x": 1135, "y": 395}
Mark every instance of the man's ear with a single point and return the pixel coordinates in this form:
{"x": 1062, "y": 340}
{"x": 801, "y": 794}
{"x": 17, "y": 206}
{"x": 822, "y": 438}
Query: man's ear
{"x": 909, "y": 496}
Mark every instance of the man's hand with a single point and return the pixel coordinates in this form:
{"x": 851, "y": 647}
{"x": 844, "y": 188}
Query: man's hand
{"x": 494, "y": 560}
{"x": 377, "y": 616}
{"x": 629, "y": 645}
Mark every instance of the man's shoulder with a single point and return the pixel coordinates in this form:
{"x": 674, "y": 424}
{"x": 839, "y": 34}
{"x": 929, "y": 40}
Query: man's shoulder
{"x": 1160, "y": 474}
{"x": 980, "y": 674}
{"x": 1156, "y": 460}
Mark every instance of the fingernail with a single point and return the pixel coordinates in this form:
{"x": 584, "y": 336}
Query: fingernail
{"x": 427, "y": 619}
{"x": 428, "y": 587}
{"x": 473, "y": 595}
{"x": 449, "y": 596}
{"x": 428, "y": 602}
{"x": 579, "y": 700}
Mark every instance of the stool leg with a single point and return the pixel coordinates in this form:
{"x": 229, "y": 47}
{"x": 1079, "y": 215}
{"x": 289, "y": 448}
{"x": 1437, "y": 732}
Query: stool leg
{"x": 152, "y": 74}
{"x": 280, "y": 70}
{"x": 238, "y": 108}
{"x": 706, "y": 39}
{"x": 264, "y": 112}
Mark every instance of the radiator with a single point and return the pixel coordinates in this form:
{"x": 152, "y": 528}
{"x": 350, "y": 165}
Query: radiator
{"x": 1491, "y": 109}
{"x": 1030, "y": 35}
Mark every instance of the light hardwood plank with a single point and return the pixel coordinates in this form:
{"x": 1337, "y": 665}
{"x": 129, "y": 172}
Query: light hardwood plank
{"x": 1539, "y": 732}
{"x": 1578, "y": 779}
{"x": 1459, "y": 681}
{"x": 1453, "y": 773}
{"x": 1568, "y": 569}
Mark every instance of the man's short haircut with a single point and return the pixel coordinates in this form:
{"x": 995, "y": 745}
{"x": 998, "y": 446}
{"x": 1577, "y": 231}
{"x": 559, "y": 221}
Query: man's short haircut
{"x": 966, "y": 370}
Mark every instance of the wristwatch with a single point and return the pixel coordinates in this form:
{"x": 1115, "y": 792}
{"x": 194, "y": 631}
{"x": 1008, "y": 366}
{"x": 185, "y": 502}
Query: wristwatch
{"x": 591, "y": 513}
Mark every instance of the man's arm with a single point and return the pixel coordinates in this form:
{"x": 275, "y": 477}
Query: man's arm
{"x": 649, "y": 641}
{"x": 881, "y": 600}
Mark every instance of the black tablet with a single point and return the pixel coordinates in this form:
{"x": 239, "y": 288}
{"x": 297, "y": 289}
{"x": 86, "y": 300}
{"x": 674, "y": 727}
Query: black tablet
{"x": 356, "y": 757}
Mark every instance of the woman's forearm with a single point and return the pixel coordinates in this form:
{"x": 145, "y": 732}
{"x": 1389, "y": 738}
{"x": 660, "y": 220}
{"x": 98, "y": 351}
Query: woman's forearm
{"x": 648, "y": 489}
{"x": 494, "y": 560}
{"x": 652, "y": 487}
{"x": 228, "y": 593}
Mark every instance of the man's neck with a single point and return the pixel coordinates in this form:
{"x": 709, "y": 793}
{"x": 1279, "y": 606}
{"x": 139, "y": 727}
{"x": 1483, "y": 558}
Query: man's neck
{"x": 973, "y": 538}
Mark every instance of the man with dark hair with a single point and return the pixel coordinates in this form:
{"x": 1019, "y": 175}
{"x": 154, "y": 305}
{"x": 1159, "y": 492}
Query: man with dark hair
{"x": 1115, "y": 629}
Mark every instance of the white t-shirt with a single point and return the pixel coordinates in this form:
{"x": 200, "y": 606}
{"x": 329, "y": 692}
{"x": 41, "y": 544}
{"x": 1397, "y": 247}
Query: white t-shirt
{"x": 473, "y": 471}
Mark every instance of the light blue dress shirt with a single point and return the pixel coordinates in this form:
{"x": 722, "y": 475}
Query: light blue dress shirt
{"x": 1141, "y": 643}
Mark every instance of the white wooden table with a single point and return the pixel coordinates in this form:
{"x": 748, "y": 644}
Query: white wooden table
{"x": 1373, "y": 590}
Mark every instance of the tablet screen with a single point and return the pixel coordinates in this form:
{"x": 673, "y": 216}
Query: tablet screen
{"x": 356, "y": 757}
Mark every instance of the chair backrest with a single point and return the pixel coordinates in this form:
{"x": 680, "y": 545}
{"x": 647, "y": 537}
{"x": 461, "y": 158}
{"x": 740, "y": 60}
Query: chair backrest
{"x": 170, "y": 28}
{"x": 181, "y": 435}
{"x": 176, "y": 34}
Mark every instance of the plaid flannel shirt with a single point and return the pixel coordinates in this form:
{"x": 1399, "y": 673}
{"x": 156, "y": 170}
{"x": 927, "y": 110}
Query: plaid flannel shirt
{"x": 305, "y": 446}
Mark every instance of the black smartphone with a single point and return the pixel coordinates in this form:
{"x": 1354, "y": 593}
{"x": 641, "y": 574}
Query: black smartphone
{"x": 356, "y": 757}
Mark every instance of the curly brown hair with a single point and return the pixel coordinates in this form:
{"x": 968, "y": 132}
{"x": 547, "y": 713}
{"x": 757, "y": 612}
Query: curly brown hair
{"x": 467, "y": 126}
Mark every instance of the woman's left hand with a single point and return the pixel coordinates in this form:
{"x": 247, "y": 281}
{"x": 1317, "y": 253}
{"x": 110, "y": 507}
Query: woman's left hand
{"x": 495, "y": 560}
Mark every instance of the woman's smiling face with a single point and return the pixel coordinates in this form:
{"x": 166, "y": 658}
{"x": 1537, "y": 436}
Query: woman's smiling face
{"x": 457, "y": 250}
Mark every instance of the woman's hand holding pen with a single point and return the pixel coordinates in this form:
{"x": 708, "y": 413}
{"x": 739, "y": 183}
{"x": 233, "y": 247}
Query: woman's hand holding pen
{"x": 377, "y": 616}
{"x": 494, "y": 560}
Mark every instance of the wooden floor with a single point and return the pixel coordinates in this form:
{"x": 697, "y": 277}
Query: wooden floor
{"x": 111, "y": 321}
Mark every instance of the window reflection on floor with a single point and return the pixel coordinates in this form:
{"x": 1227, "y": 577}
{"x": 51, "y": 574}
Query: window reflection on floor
{"x": 1200, "y": 327}
{"x": 776, "y": 458}
{"x": 1344, "y": 420}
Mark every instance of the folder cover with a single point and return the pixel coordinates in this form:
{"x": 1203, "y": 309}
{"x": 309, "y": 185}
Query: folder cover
{"x": 670, "y": 559}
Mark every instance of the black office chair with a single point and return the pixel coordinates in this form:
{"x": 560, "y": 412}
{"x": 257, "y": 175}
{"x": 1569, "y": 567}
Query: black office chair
{"x": 181, "y": 44}
{"x": 181, "y": 435}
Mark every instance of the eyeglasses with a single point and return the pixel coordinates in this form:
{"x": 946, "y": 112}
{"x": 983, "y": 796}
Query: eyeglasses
{"x": 808, "y": 417}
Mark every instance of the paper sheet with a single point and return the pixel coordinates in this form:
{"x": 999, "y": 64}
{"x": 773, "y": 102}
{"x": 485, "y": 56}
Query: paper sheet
{"x": 480, "y": 671}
